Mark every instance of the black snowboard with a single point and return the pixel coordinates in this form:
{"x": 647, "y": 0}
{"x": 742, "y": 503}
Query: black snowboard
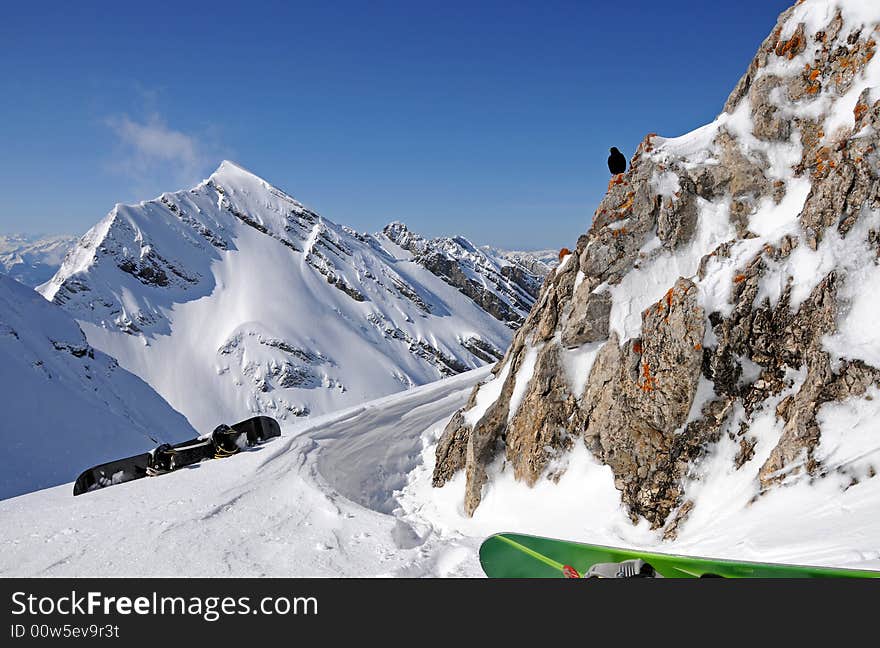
{"x": 223, "y": 442}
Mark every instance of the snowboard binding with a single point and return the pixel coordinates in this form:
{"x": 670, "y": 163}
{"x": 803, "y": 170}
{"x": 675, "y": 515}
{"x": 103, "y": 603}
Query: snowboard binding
{"x": 634, "y": 568}
{"x": 227, "y": 441}
{"x": 161, "y": 460}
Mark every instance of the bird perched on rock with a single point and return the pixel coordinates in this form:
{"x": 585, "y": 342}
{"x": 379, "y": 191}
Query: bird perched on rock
{"x": 616, "y": 161}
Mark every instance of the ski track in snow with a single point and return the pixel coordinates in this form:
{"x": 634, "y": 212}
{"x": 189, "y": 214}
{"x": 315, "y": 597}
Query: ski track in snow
{"x": 270, "y": 511}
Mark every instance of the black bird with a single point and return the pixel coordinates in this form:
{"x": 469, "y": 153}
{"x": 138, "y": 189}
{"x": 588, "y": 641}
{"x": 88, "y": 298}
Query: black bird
{"x": 616, "y": 161}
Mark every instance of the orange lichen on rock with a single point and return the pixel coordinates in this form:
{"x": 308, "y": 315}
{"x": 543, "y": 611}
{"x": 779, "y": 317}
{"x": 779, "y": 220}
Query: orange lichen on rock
{"x": 698, "y": 346}
{"x": 814, "y": 74}
{"x": 739, "y": 278}
{"x": 665, "y": 303}
{"x": 823, "y": 160}
{"x": 774, "y": 39}
{"x": 859, "y": 111}
{"x": 650, "y": 382}
{"x": 793, "y": 46}
{"x": 637, "y": 347}
{"x": 628, "y": 202}
{"x": 616, "y": 180}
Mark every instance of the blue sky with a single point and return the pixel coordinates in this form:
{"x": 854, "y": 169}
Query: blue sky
{"x": 487, "y": 119}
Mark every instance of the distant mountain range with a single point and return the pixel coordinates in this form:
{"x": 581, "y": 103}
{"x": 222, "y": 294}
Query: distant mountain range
{"x": 33, "y": 260}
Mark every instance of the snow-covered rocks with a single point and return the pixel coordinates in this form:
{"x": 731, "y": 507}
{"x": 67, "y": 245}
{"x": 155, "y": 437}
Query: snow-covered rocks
{"x": 728, "y": 271}
{"x": 503, "y": 284}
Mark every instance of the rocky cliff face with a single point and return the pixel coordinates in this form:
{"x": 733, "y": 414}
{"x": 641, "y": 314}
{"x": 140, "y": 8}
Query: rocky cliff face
{"x": 505, "y": 286}
{"x": 726, "y": 274}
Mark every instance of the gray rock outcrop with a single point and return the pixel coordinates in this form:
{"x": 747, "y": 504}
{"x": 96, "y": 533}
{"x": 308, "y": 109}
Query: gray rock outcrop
{"x": 718, "y": 207}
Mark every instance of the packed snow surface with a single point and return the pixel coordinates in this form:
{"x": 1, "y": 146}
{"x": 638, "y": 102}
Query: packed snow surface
{"x": 349, "y": 494}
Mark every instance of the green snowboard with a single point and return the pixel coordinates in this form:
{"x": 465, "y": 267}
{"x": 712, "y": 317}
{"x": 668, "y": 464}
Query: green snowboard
{"x": 512, "y": 555}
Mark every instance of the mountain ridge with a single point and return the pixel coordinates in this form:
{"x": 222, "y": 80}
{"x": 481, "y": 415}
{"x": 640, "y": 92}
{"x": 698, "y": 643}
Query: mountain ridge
{"x": 263, "y": 294}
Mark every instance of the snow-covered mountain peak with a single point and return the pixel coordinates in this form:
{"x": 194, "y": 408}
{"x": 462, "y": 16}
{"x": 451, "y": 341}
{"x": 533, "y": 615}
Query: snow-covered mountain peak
{"x": 232, "y": 173}
{"x": 398, "y": 232}
{"x": 514, "y": 284}
{"x": 235, "y": 179}
{"x": 238, "y": 288}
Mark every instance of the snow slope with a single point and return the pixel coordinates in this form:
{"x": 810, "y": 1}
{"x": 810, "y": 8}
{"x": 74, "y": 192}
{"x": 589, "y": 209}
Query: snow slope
{"x": 349, "y": 494}
{"x": 66, "y": 406}
{"x": 33, "y": 260}
{"x": 265, "y": 512}
{"x": 232, "y": 298}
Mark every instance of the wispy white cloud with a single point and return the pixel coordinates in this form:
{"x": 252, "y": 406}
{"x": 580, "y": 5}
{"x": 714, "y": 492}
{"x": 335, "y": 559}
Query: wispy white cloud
{"x": 153, "y": 154}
